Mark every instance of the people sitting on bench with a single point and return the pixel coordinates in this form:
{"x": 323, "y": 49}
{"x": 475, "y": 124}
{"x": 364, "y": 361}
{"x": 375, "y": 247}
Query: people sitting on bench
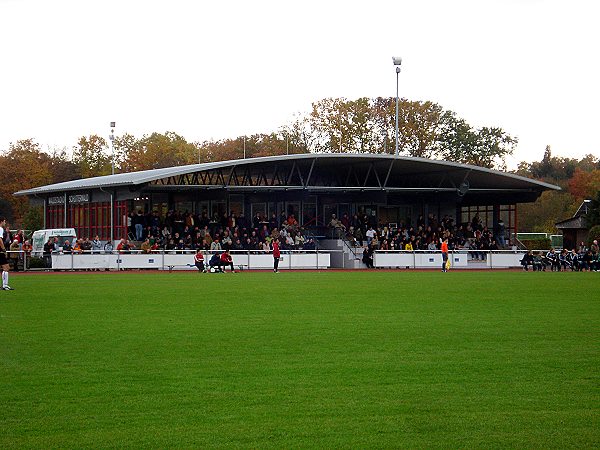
{"x": 527, "y": 261}
{"x": 219, "y": 261}
{"x": 552, "y": 260}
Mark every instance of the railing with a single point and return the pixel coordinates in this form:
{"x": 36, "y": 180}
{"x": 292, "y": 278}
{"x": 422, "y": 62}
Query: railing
{"x": 432, "y": 259}
{"x": 256, "y": 259}
{"x": 182, "y": 260}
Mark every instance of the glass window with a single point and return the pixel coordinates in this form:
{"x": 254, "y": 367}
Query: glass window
{"x": 258, "y": 208}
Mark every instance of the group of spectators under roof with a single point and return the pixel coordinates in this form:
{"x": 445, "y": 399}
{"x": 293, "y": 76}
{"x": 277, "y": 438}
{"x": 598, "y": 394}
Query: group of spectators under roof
{"x": 188, "y": 231}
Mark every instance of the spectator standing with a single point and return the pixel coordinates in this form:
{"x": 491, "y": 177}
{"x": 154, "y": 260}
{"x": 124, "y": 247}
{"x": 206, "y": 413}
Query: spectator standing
{"x": 27, "y": 248}
{"x": 276, "y": 255}
{"x": 47, "y": 251}
{"x": 15, "y": 249}
{"x": 138, "y": 222}
{"x": 146, "y": 246}
{"x": 500, "y": 233}
{"x": 67, "y": 248}
{"x": 96, "y": 245}
{"x": 370, "y": 235}
{"x": 367, "y": 257}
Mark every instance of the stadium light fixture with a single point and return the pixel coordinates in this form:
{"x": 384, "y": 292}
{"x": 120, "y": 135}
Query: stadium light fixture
{"x": 397, "y": 60}
{"x": 112, "y": 145}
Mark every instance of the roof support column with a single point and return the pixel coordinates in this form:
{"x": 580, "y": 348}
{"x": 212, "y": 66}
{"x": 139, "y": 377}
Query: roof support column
{"x": 112, "y": 219}
{"x": 45, "y": 211}
{"x": 65, "y": 211}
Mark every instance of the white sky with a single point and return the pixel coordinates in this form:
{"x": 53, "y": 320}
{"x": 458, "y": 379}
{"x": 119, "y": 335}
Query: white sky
{"x": 212, "y": 70}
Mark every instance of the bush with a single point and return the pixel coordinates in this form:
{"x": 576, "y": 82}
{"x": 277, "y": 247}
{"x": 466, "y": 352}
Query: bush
{"x": 537, "y": 244}
{"x": 593, "y": 234}
{"x": 36, "y": 263}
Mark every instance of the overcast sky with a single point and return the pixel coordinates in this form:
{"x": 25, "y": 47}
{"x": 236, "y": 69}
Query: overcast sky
{"x": 212, "y": 70}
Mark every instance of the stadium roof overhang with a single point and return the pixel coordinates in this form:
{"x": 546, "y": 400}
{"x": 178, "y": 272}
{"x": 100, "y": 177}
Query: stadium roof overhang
{"x": 322, "y": 173}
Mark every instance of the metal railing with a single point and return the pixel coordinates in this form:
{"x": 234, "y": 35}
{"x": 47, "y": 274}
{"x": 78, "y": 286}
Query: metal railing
{"x": 177, "y": 259}
{"x": 459, "y": 258}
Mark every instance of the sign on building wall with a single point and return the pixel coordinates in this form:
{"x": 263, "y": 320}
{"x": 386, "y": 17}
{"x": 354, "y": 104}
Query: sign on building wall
{"x": 79, "y": 198}
{"x": 58, "y": 200}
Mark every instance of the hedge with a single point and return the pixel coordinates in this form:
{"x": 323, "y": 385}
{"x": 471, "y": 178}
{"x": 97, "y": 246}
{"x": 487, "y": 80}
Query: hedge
{"x": 537, "y": 244}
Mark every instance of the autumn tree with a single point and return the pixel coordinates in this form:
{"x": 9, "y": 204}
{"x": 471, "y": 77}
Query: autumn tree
{"x": 328, "y": 121}
{"x": 24, "y": 166}
{"x": 542, "y": 215}
{"x": 484, "y": 147}
{"x": 61, "y": 167}
{"x": 557, "y": 169}
{"x": 155, "y": 151}
{"x": 300, "y": 136}
{"x": 593, "y": 216}
{"x": 420, "y": 126}
{"x": 585, "y": 185}
{"x": 91, "y": 156}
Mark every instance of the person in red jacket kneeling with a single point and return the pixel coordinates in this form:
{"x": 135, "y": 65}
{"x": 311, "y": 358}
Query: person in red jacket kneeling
{"x": 227, "y": 260}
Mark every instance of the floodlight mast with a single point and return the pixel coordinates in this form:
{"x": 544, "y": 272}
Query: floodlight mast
{"x": 112, "y": 145}
{"x": 397, "y": 60}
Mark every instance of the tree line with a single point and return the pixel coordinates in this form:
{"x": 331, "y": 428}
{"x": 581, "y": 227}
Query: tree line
{"x": 334, "y": 125}
{"x": 579, "y": 180}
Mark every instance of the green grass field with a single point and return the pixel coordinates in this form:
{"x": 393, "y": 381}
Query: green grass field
{"x": 302, "y": 359}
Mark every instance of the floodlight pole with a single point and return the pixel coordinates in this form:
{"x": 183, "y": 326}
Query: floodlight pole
{"x": 397, "y": 62}
{"x": 112, "y": 146}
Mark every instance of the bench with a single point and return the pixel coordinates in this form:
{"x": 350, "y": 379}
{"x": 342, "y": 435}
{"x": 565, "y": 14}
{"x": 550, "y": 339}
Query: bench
{"x": 172, "y": 266}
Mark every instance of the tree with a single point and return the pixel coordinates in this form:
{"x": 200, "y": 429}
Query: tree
{"x": 6, "y": 208}
{"x": 24, "y": 166}
{"x": 33, "y": 218}
{"x": 485, "y": 147}
{"x": 156, "y": 151}
{"x": 542, "y": 215}
{"x": 553, "y": 169}
{"x": 328, "y": 122}
{"x": 91, "y": 157}
{"x": 300, "y": 136}
{"x": 61, "y": 167}
{"x": 593, "y": 216}
{"x": 585, "y": 185}
{"x": 420, "y": 125}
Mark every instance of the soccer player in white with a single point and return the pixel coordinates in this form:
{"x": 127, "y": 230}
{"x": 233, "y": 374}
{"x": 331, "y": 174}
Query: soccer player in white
{"x": 3, "y": 258}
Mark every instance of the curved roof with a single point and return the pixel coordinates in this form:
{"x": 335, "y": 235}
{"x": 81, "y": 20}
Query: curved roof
{"x": 316, "y": 172}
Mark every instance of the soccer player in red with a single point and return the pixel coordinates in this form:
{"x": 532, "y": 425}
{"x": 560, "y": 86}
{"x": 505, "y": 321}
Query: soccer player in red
{"x": 227, "y": 260}
{"x": 199, "y": 261}
{"x": 276, "y": 255}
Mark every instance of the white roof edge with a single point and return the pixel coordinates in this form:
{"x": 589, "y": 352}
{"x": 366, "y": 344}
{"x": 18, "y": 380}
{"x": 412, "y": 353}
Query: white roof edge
{"x": 144, "y": 176}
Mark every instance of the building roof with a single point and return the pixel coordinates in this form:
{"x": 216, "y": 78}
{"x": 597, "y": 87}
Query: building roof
{"x": 578, "y": 221}
{"x": 316, "y": 172}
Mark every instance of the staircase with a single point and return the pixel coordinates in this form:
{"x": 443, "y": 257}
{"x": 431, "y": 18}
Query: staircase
{"x": 345, "y": 256}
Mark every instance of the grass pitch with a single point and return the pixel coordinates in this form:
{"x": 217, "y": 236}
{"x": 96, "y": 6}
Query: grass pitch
{"x": 301, "y": 359}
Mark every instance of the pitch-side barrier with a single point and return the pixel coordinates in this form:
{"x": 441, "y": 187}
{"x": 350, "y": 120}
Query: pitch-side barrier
{"x": 184, "y": 260}
{"x": 459, "y": 259}
{"x": 294, "y": 259}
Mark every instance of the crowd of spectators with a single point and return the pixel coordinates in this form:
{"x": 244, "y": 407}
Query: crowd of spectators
{"x": 188, "y": 231}
{"x": 17, "y": 245}
{"x": 426, "y": 234}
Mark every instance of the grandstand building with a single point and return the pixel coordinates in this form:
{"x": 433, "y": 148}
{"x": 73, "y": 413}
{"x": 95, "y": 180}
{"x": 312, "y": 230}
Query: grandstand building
{"x": 391, "y": 189}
